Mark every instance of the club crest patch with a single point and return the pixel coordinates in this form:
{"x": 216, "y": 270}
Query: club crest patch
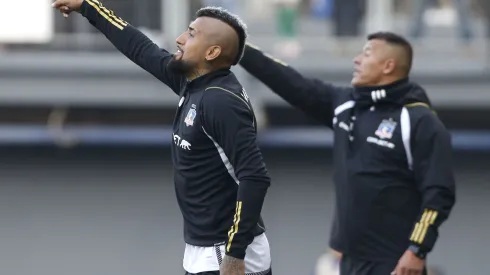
{"x": 385, "y": 129}
{"x": 189, "y": 118}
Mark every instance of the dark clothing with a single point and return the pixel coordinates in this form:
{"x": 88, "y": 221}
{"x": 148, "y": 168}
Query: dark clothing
{"x": 351, "y": 266}
{"x": 220, "y": 177}
{"x": 392, "y": 157}
{"x": 485, "y": 4}
{"x": 347, "y": 16}
{"x": 215, "y": 157}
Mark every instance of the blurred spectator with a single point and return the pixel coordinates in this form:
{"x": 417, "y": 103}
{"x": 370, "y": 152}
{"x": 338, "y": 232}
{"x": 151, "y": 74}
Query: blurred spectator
{"x": 321, "y": 8}
{"x": 461, "y": 7}
{"x": 287, "y": 25}
{"x": 485, "y": 4}
{"x": 347, "y": 17}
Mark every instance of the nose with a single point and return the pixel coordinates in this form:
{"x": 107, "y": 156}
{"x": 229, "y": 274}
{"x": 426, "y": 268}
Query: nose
{"x": 181, "y": 39}
{"x": 357, "y": 60}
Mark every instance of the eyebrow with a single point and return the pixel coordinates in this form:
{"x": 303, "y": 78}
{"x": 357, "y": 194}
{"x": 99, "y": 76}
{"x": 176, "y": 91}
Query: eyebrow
{"x": 367, "y": 48}
{"x": 191, "y": 29}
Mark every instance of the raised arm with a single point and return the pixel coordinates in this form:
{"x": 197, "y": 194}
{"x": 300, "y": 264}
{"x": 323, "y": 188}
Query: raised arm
{"x": 314, "y": 97}
{"x": 229, "y": 122}
{"x": 127, "y": 39}
{"x": 433, "y": 170}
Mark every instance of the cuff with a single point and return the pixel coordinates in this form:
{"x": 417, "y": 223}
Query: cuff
{"x": 83, "y": 8}
{"x": 239, "y": 254}
{"x": 418, "y": 251}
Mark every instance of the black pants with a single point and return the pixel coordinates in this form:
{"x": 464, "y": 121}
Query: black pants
{"x": 217, "y": 273}
{"x": 350, "y": 266}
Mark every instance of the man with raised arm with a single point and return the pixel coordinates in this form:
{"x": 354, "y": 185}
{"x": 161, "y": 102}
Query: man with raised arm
{"x": 220, "y": 177}
{"x": 392, "y": 155}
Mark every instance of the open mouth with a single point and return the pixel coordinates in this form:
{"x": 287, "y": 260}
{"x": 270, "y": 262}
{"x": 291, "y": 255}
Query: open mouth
{"x": 179, "y": 52}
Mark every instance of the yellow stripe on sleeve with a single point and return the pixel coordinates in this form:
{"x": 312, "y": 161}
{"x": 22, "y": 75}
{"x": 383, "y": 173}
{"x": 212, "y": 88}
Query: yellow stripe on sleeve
{"x": 111, "y": 14}
{"x": 423, "y": 228}
{"x": 418, "y": 227}
{"x": 234, "y": 228}
{"x": 99, "y": 10}
{"x": 420, "y": 231}
{"x": 430, "y": 220}
{"x": 277, "y": 60}
{"x": 415, "y": 230}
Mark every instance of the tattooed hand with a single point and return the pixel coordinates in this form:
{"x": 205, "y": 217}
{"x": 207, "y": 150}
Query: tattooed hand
{"x": 232, "y": 266}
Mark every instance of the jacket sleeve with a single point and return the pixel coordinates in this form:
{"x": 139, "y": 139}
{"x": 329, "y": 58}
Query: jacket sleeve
{"x": 432, "y": 166}
{"x": 131, "y": 42}
{"x": 314, "y": 97}
{"x": 229, "y": 122}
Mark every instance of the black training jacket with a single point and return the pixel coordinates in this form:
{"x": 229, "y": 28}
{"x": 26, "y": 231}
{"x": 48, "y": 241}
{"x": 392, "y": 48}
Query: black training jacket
{"x": 392, "y": 158}
{"x": 220, "y": 176}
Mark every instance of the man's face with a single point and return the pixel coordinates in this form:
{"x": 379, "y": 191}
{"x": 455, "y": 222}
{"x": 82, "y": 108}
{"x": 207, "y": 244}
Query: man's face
{"x": 191, "y": 49}
{"x": 371, "y": 65}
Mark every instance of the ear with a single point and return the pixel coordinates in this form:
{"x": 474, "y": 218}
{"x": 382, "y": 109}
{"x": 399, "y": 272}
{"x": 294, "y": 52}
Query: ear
{"x": 389, "y": 66}
{"x": 213, "y": 52}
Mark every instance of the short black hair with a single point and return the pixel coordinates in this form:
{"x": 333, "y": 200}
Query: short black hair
{"x": 233, "y": 21}
{"x": 397, "y": 40}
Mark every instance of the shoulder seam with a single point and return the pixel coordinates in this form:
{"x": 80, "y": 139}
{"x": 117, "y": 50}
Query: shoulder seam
{"x": 421, "y": 104}
{"x": 230, "y": 92}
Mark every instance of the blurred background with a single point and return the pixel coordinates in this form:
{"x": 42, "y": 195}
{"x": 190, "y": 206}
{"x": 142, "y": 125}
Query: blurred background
{"x": 86, "y": 178}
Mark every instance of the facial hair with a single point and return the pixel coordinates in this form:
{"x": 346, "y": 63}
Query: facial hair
{"x": 179, "y": 66}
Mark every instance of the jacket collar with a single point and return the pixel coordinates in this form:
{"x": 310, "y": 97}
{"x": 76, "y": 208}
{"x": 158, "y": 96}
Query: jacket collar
{"x": 207, "y": 79}
{"x": 393, "y": 93}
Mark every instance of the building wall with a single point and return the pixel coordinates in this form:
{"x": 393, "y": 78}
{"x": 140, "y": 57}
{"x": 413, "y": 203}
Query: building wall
{"x": 113, "y": 212}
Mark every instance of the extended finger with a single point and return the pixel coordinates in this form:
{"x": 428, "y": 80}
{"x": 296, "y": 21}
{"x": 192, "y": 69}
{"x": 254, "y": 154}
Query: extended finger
{"x": 66, "y": 10}
{"x": 58, "y": 4}
{"x": 64, "y": 13}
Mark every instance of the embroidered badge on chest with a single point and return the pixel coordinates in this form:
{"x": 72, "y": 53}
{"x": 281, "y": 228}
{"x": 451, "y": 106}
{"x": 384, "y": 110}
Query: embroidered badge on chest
{"x": 385, "y": 129}
{"x": 191, "y": 115}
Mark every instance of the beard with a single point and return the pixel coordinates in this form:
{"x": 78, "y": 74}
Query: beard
{"x": 179, "y": 66}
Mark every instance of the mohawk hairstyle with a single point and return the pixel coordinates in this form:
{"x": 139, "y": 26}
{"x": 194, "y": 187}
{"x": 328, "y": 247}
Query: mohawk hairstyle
{"x": 397, "y": 40}
{"x": 233, "y": 21}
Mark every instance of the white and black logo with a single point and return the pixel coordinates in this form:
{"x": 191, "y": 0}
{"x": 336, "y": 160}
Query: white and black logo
{"x": 245, "y": 95}
{"x": 182, "y": 143}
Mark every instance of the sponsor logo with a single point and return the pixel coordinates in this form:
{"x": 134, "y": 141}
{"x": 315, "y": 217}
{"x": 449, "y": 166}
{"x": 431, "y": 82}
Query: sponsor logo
{"x": 182, "y": 143}
{"x": 381, "y": 142}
